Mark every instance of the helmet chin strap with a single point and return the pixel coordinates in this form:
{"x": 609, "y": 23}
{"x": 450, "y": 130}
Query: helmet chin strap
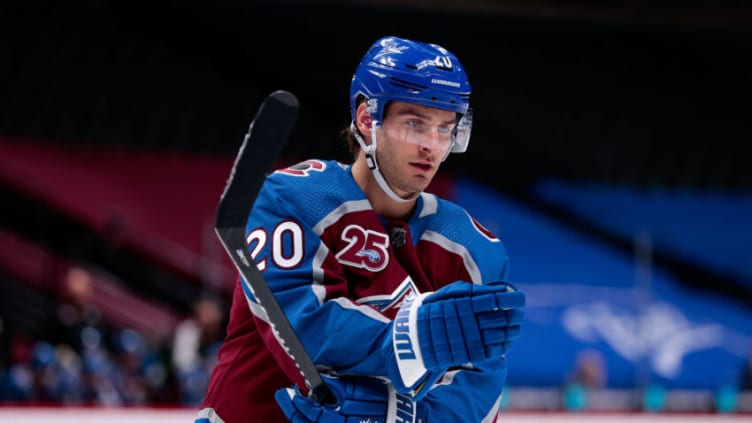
{"x": 370, "y": 152}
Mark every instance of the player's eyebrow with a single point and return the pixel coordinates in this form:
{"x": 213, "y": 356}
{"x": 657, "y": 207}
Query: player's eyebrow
{"x": 416, "y": 112}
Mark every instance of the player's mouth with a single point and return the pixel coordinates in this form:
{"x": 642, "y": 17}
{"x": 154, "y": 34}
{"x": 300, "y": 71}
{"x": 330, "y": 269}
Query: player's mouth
{"x": 424, "y": 167}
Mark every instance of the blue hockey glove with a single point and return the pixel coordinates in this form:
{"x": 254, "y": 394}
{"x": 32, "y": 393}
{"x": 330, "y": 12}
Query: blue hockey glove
{"x": 458, "y": 324}
{"x": 464, "y": 323}
{"x": 359, "y": 399}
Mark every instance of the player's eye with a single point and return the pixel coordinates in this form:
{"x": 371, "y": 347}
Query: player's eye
{"x": 416, "y": 124}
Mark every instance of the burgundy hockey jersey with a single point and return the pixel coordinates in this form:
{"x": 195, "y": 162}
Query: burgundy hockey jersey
{"x": 340, "y": 273}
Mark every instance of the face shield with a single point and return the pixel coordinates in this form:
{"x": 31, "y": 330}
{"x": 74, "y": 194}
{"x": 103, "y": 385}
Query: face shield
{"x": 462, "y": 132}
{"x": 440, "y": 138}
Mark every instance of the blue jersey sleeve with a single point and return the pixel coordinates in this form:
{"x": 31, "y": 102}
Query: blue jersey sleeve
{"x": 467, "y": 395}
{"x": 338, "y": 333}
{"x": 472, "y": 393}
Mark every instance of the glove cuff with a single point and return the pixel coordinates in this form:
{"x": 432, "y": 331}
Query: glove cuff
{"x": 401, "y": 407}
{"x": 405, "y": 342}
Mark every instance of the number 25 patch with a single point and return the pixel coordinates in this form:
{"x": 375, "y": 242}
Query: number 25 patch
{"x": 365, "y": 248}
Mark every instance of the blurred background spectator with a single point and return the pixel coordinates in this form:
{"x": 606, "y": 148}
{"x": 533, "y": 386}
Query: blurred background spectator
{"x": 81, "y": 323}
{"x": 194, "y": 348}
{"x": 588, "y": 376}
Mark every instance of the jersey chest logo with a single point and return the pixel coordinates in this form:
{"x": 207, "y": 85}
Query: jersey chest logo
{"x": 364, "y": 248}
{"x": 389, "y": 304}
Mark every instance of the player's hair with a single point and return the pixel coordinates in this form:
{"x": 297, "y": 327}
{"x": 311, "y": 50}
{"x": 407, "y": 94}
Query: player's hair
{"x": 348, "y": 137}
{"x": 348, "y": 133}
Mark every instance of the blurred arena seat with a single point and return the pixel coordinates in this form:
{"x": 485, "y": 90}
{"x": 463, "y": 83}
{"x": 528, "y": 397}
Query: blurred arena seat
{"x": 709, "y": 227}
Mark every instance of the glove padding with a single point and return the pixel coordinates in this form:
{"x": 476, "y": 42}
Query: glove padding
{"x": 464, "y": 323}
{"x": 358, "y": 399}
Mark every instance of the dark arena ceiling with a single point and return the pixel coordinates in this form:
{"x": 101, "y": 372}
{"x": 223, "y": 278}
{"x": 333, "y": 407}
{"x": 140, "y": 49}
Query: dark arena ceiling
{"x": 656, "y": 92}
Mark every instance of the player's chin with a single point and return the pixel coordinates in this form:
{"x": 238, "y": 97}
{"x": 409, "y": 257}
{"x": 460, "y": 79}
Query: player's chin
{"x": 423, "y": 179}
{"x": 419, "y": 184}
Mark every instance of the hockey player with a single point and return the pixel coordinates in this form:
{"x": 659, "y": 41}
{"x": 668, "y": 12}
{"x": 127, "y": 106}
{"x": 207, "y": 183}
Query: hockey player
{"x": 396, "y": 294}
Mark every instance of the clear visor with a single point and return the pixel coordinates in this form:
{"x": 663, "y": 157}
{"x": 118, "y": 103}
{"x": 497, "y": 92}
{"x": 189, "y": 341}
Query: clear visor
{"x": 462, "y": 132}
{"x": 443, "y": 138}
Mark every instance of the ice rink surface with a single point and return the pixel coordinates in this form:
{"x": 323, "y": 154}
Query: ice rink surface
{"x": 119, "y": 415}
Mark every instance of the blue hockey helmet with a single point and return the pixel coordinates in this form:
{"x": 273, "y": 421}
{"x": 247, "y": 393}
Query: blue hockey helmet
{"x": 397, "y": 69}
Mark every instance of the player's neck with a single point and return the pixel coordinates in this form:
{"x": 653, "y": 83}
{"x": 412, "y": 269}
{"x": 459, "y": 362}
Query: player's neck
{"x": 380, "y": 201}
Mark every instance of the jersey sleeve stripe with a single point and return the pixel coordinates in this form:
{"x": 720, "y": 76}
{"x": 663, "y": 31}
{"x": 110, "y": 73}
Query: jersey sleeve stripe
{"x": 336, "y": 214}
{"x": 459, "y": 249}
{"x": 430, "y": 205}
{"x": 365, "y": 310}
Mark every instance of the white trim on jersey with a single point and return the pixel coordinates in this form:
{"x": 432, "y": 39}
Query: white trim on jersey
{"x": 318, "y": 272}
{"x": 335, "y": 215}
{"x": 493, "y": 413}
{"x": 430, "y": 205}
{"x": 459, "y": 249}
{"x": 257, "y": 310}
{"x": 365, "y": 310}
{"x": 208, "y": 414}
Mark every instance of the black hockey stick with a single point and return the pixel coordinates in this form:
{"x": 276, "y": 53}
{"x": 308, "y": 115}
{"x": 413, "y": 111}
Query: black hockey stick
{"x": 263, "y": 143}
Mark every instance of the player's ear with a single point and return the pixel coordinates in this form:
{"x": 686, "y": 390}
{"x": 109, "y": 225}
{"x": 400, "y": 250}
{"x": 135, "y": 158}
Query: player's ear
{"x": 363, "y": 118}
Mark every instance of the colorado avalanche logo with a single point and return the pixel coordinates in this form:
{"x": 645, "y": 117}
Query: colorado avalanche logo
{"x": 389, "y": 304}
